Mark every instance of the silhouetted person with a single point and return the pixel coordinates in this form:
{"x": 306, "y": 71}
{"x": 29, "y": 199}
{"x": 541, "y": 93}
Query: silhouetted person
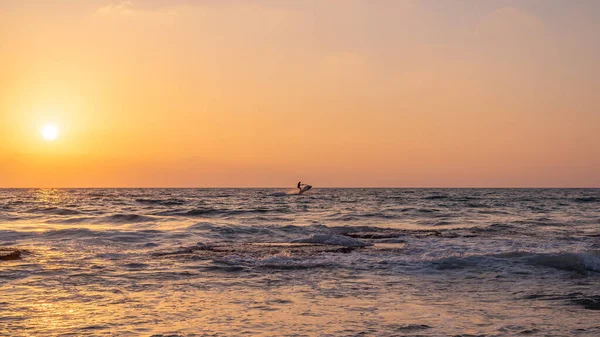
{"x": 300, "y": 186}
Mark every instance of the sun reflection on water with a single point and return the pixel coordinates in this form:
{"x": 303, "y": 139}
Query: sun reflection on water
{"x": 49, "y": 196}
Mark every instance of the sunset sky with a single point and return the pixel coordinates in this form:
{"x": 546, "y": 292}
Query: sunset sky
{"x": 232, "y": 93}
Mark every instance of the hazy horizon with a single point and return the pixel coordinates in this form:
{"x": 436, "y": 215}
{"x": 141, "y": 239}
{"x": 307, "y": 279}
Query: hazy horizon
{"x": 292, "y": 189}
{"x": 158, "y": 93}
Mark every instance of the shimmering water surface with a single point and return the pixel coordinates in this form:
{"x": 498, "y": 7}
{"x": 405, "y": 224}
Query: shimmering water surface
{"x": 338, "y": 262}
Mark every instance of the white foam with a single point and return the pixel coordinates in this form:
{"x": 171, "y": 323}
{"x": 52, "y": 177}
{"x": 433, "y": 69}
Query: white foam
{"x": 286, "y": 193}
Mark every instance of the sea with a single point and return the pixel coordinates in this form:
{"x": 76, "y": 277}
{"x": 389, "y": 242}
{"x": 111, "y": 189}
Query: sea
{"x": 270, "y": 262}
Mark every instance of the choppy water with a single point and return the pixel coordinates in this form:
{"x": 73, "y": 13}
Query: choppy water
{"x": 339, "y": 262}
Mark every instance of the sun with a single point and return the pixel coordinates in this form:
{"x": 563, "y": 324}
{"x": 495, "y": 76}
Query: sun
{"x": 50, "y": 132}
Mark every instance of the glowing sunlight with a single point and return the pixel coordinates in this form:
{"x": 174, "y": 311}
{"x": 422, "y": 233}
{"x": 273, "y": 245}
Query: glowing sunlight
{"x": 50, "y": 132}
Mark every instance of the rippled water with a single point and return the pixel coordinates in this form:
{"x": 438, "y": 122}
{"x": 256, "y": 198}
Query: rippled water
{"x": 339, "y": 262}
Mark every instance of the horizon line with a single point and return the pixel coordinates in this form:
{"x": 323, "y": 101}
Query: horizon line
{"x": 324, "y": 187}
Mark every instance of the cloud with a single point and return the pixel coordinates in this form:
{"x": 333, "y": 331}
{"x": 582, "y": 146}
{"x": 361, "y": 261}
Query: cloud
{"x": 122, "y": 8}
{"x": 131, "y": 8}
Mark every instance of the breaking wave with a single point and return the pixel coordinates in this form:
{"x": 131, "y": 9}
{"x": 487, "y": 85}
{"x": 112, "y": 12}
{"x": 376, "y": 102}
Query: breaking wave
{"x": 574, "y": 262}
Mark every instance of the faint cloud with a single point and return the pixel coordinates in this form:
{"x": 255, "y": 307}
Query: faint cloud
{"x": 131, "y": 8}
{"x": 122, "y": 8}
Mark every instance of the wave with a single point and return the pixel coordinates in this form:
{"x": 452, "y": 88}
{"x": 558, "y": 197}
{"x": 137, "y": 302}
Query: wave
{"x": 577, "y": 262}
{"x": 10, "y": 217}
{"x": 272, "y": 219}
{"x": 70, "y": 233}
{"x": 436, "y": 197}
{"x": 126, "y": 218}
{"x": 8, "y": 254}
{"x": 581, "y": 263}
{"x": 442, "y": 223}
{"x": 55, "y": 211}
{"x": 495, "y": 228}
{"x": 70, "y": 221}
{"x": 201, "y": 212}
{"x": 189, "y": 213}
{"x": 293, "y": 192}
{"x": 332, "y": 239}
{"x": 412, "y": 327}
{"x": 277, "y": 261}
{"x": 357, "y": 216}
{"x": 277, "y": 255}
{"x": 294, "y": 232}
{"x": 476, "y": 205}
{"x": 111, "y": 219}
{"x": 427, "y": 210}
{"x": 586, "y": 199}
{"x": 162, "y": 202}
{"x": 114, "y": 236}
{"x": 590, "y": 302}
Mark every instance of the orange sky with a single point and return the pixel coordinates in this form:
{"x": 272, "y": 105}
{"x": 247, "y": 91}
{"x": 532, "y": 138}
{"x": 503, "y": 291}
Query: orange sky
{"x": 265, "y": 93}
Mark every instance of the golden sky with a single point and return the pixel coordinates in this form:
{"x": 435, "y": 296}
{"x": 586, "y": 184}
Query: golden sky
{"x": 234, "y": 93}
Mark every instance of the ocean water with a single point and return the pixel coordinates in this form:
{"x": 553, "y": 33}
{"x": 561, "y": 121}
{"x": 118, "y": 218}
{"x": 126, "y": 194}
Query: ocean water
{"x": 332, "y": 262}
